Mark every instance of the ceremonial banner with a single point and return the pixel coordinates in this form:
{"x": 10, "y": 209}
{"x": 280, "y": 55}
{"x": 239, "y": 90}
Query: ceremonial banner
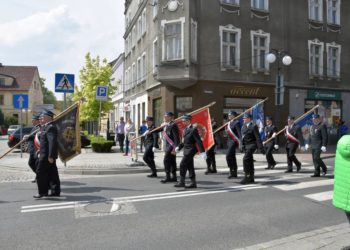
{"x": 305, "y": 124}
{"x": 258, "y": 118}
{"x": 202, "y": 121}
{"x": 69, "y": 142}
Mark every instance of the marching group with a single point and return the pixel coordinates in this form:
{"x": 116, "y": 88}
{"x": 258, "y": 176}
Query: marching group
{"x": 245, "y": 138}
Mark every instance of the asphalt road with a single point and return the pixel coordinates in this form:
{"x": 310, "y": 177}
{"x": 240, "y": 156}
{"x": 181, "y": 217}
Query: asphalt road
{"x": 135, "y": 212}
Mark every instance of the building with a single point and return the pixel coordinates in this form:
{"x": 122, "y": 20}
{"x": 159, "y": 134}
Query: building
{"x": 181, "y": 55}
{"x": 20, "y": 80}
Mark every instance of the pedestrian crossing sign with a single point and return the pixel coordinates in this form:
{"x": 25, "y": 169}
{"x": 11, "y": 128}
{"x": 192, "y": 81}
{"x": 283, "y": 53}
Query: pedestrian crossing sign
{"x": 64, "y": 83}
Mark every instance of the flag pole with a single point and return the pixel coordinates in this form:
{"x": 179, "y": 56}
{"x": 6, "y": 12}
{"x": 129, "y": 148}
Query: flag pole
{"x": 240, "y": 115}
{"x": 297, "y": 120}
{"x": 177, "y": 119}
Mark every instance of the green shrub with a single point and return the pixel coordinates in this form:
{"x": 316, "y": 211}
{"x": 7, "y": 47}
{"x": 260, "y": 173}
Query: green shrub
{"x": 100, "y": 145}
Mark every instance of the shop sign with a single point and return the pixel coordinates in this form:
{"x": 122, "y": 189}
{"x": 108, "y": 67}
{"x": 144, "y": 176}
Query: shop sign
{"x": 323, "y": 95}
{"x": 245, "y": 91}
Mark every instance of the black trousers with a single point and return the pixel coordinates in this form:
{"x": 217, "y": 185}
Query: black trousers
{"x": 187, "y": 164}
{"x": 42, "y": 176}
{"x": 231, "y": 156}
{"x": 54, "y": 179}
{"x": 211, "y": 161}
{"x": 148, "y": 158}
{"x": 142, "y": 143}
{"x": 269, "y": 157}
{"x": 318, "y": 163}
{"x": 248, "y": 160}
{"x": 32, "y": 162}
{"x": 291, "y": 157}
{"x": 348, "y": 216}
{"x": 121, "y": 138}
{"x": 169, "y": 163}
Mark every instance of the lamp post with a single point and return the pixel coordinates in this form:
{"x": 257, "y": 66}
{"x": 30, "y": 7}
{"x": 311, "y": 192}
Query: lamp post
{"x": 279, "y": 56}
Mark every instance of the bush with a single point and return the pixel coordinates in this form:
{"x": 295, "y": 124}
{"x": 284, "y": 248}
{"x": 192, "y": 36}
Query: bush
{"x": 100, "y": 145}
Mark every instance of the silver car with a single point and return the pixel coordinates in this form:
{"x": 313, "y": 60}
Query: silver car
{"x": 12, "y": 129}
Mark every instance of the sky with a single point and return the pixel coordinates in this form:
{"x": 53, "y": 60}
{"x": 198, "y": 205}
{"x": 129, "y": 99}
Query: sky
{"x": 55, "y": 35}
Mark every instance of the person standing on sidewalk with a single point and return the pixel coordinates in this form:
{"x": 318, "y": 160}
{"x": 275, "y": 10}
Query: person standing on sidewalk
{"x": 270, "y": 131}
{"x": 341, "y": 193}
{"x": 295, "y": 139}
{"x": 142, "y": 130}
{"x": 190, "y": 141}
{"x": 251, "y": 142}
{"x": 151, "y": 143}
{"x": 119, "y": 133}
{"x": 129, "y": 127}
{"x": 318, "y": 139}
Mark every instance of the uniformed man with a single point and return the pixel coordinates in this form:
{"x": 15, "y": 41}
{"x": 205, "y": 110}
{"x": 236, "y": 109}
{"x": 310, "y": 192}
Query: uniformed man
{"x": 318, "y": 139}
{"x": 211, "y": 160}
{"x": 150, "y": 143}
{"x": 295, "y": 139}
{"x": 250, "y": 142}
{"x": 270, "y": 131}
{"x": 233, "y": 130}
{"x": 190, "y": 141}
{"x": 47, "y": 173}
{"x": 171, "y": 138}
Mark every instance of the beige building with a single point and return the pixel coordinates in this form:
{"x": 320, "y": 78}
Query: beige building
{"x": 16, "y": 80}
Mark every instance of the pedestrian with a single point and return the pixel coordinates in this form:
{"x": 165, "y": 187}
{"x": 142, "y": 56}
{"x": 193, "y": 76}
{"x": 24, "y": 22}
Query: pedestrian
{"x": 129, "y": 128}
{"x": 151, "y": 143}
{"x": 119, "y": 133}
{"x": 190, "y": 141}
{"x": 211, "y": 160}
{"x": 341, "y": 197}
{"x": 142, "y": 130}
{"x": 47, "y": 173}
{"x": 250, "y": 143}
{"x": 295, "y": 139}
{"x": 343, "y": 129}
{"x": 170, "y": 133}
{"x": 318, "y": 139}
{"x": 270, "y": 131}
{"x": 31, "y": 146}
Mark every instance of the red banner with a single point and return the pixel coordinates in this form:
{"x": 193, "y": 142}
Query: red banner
{"x": 203, "y": 122}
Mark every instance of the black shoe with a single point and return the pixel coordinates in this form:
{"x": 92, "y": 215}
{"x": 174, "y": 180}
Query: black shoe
{"x": 298, "y": 168}
{"x": 34, "y": 181}
{"x": 273, "y": 166}
{"x": 54, "y": 195}
{"x": 288, "y": 171}
{"x": 315, "y": 175}
{"x": 214, "y": 171}
{"x": 192, "y": 185}
{"x": 39, "y": 196}
{"x": 180, "y": 184}
{"x": 174, "y": 179}
{"x": 166, "y": 180}
{"x": 324, "y": 173}
{"x": 246, "y": 181}
{"x": 268, "y": 167}
{"x": 152, "y": 175}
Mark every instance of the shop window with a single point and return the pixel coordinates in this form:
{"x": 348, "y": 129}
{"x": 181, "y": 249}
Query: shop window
{"x": 157, "y": 109}
{"x": 329, "y": 110}
{"x": 183, "y": 104}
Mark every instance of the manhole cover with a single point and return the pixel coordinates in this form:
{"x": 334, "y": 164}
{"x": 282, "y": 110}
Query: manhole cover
{"x": 102, "y": 207}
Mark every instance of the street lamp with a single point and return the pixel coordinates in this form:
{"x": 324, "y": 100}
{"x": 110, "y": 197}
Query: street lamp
{"x": 283, "y": 56}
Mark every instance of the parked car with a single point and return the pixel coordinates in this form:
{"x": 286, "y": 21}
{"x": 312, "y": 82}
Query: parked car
{"x": 12, "y": 129}
{"x": 85, "y": 141}
{"x": 3, "y": 130}
{"x": 15, "y": 138}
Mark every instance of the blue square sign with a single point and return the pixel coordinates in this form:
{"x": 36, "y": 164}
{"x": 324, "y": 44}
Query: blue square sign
{"x": 102, "y": 93}
{"x": 64, "y": 83}
{"x": 20, "y": 101}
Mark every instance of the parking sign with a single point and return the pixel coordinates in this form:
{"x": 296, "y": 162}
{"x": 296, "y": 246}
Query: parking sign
{"x": 102, "y": 93}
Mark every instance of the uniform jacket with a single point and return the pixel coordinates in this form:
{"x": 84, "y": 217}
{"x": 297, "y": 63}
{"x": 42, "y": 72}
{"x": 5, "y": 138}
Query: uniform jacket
{"x": 236, "y": 129}
{"x": 295, "y": 130}
{"x": 269, "y": 131}
{"x": 151, "y": 139}
{"x": 318, "y": 136}
{"x": 173, "y": 133}
{"x": 250, "y": 136}
{"x": 190, "y": 139}
{"x": 341, "y": 193}
{"x": 48, "y": 142}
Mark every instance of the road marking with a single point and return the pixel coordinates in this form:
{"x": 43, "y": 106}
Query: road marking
{"x": 305, "y": 185}
{"x": 49, "y": 205}
{"x": 324, "y": 196}
{"x": 46, "y": 208}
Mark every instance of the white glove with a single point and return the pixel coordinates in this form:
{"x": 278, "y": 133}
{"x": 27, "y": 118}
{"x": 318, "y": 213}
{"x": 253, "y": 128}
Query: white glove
{"x": 323, "y": 149}
{"x": 306, "y": 146}
{"x": 145, "y": 133}
{"x": 25, "y": 137}
{"x": 204, "y": 155}
{"x": 177, "y": 150}
{"x": 274, "y": 135}
{"x": 276, "y": 147}
{"x": 153, "y": 149}
{"x": 303, "y": 149}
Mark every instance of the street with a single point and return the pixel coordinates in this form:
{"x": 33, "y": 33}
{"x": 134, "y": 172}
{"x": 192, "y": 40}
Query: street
{"x": 130, "y": 211}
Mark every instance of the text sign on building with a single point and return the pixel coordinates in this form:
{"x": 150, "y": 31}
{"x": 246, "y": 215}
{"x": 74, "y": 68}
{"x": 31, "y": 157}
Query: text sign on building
{"x": 64, "y": 83}
{"x": 20, "y": 101}
{"x": 324, "y": 94}
{"x": 102, "y": 93}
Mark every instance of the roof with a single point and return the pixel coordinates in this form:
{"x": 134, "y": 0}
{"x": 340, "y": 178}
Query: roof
{"x": 23, "y": 76}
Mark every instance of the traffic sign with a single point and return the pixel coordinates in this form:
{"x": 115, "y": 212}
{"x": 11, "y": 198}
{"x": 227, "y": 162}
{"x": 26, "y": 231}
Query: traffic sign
{"x": 102, "y": 93}
{"x": 20, "y": 101}
{"x": 64, "y": 83}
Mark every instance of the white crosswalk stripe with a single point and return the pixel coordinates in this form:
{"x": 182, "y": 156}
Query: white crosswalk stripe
{"x": 324, "y": 196}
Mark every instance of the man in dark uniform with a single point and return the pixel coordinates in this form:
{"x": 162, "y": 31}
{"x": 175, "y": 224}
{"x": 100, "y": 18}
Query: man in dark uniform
{"x": 233, "y": 130}
{"x": 47, "y": 173}
{"x": 318, "y": 139}
{"x": 190, "y": 141}
{"x": 295, "y": 139}
{"x": 31, "y": 146}
{"x": 151, "y": 143}
{"x": 250, "y": 141}
{"x": 270, "y": 131}
{"x": 211, "y": 161}
{"x": 171, "y": 138}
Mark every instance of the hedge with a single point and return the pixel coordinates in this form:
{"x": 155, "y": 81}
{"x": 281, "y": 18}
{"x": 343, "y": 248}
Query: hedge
{"x": 100, "y": 145}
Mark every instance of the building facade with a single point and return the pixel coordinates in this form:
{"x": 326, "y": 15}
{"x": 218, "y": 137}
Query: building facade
{"x": 201, "y": 51}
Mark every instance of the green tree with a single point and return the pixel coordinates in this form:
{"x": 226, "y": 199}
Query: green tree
{"x": 48, "y": 95}
{"x": 94, "y": 73}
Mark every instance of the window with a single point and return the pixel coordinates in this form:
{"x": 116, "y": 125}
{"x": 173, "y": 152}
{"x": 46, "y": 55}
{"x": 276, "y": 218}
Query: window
{"x": 139, "y": 28}
{"x": 316, "y": 58}
{"x": 2, "y": 100}
{"x": 127, "y": 80}
{"x": 194, "y": 28}
{"x": 155, "y": 8}
{"x": 143, "y": 67}
{"x": 134, "y": 75}
{"x": 333, "y": 59}
{"x": 139, "y": 70}
{"x": 260, "y": 4}
{"x": 2, "y": 81}
{"x": 134, "y": 36}
{"x": 183, "y": 105}
{"x": 155, "y": 56}
{"x": 333, "y": 13}
{"x": 315, "y": 10}
{"x": 260, "y": 47}
{"x": 144, "y": 22}
{"x": 173, "y": 43}
{"x": 230, "y": 46}
{"x": 233, "y": 2}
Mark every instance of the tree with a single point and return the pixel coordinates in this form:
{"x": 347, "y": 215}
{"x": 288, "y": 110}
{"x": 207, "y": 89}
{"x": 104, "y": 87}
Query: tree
{"x": 48, "y": 95}
{"x": 94, "y": 73}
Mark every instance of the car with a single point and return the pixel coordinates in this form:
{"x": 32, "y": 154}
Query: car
{"x": 85, "y": 141}
{"x": 12, "y": 129}
{"x": 15, "y": 138}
